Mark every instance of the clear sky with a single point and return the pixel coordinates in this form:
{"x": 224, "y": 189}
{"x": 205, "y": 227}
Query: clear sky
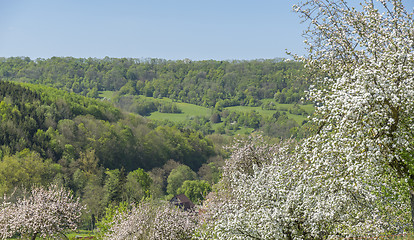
{"x": 169, "y": 29}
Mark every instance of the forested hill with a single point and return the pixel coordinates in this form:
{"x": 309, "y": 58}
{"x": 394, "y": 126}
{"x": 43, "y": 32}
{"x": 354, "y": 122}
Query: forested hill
{"x": 205, "y": 83}
{"x": 64, "y": 126}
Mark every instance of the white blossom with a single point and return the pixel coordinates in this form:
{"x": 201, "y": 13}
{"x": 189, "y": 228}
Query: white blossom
{"x": 293, "y": 195}
{"x": 45, "y": 212}
{"x": 153, "y": 222}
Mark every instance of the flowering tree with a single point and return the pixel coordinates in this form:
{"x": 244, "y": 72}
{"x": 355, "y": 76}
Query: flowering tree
{"x": 282, "y": 196}
{"x": 149, "y": 221}
{"x": 366, "y": 99}
{"x": 46, "y": 211}
{"x": 354, "y": 176}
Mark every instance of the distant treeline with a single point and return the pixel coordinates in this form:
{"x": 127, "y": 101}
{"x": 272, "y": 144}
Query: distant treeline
{"x": 206, "y": 83}
{"x": 102, "y": 154}
{"x": 62, "y": 126}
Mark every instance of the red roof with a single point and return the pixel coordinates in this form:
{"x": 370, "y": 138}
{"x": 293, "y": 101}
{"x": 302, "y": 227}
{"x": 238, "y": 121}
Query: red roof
{"x": 182, "y": 201}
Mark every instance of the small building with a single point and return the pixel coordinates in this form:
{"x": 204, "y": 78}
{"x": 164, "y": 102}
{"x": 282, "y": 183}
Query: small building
{"x": 182, "y": 201}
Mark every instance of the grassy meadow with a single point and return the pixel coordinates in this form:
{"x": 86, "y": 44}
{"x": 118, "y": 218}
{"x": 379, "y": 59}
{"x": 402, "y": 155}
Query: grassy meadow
{"x": 190, "y": 111}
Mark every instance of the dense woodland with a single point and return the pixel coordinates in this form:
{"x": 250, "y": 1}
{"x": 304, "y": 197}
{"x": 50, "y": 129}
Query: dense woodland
{"x": 212, "y": 84}
{"x": 350, "y": 176}
{"x": 58, "y": 124}
{"x": 204, "y": 83}
{"x": 54, "y": 127}
{"x": 102, "y": 154}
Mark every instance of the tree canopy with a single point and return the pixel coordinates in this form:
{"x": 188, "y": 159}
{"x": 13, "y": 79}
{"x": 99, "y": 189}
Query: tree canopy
{"x": 203, "y": 83}
{"x": 45, "y": 212}
{"x": 366, "y": 97}
{"x": 62, "y": 126}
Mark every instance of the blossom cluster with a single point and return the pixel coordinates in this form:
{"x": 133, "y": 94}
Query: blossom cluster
{"x": 366, "y": 92}
{"x": 45, "y": 211}
{"x": 296, "y": 199}
{"x": 355, "y": 175}
{"x": 152, "y": 221}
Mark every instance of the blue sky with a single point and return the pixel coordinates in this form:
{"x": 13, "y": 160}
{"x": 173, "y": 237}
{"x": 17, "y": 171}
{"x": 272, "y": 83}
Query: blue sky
{"x": 169, "y": 29}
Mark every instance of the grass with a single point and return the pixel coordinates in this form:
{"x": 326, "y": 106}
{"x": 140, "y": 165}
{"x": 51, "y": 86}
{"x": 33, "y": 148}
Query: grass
{"x": 84, "y": 234}
{"x": 190, "y": 110}
{"x": 106, "y": 94}
{"x": 244, "y": 131}
{"x": 281, "y": 107}
{"x": 79, "y": 234}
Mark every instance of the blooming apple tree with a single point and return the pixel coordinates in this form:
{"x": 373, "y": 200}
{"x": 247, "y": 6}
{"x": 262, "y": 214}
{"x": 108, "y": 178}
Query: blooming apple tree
{"x": 45, "y": 212}
{"x": 152, "y": 221}
{"x": 354, "y": 176}
{"x": 285, "y": 197}
{"x": 366, "y": 95}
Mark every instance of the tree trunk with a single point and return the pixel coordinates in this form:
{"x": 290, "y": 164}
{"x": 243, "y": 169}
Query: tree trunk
{"x": 412, "y": 206}
{"x": 64, "y": 236}
{"x": 35, "y": 234}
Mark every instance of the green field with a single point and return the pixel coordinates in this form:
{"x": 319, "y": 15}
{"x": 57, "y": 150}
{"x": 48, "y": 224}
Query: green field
{"x": 106, "y": 94}
{"x": 190, "y": 111}
{"x": 281, "y": 107}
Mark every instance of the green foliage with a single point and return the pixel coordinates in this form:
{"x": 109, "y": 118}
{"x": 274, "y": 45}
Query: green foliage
{"x": 210, "y": 172}
{"x": 242, "y": 119}
{"x": 138, "y": 186}
{"x": 217, "y": 84}
{"x": 25, "y": 169}
{"x": 115, "y": 185}
{"x": 297, "y": 110}
{"x": 94, "y": 197}
{"x": 81, "y": 137}
{"x": 178, "y": 176}
{"x": 110, "y": 213}
{"x": 215, "y": 118}
{"x": 195, "y": 190}
{"x": 63, "y": 126}
{"x": 204, "y": 83}
{"x": 185, "y": 145}
{"x": 167, "y": 107}
{"x": 84, "y": 136}
{"x": 144, "y": 106}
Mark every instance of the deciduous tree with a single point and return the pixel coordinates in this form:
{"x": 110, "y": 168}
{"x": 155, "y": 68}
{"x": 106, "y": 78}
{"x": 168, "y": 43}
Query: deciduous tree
{"x": 45, "y": 212}
{"x": 178, "y": 176}
{"x": 151, "y": 221}
{"x": 195, "y": 190}
{"x": 282, "y": 193}
{"x": 366, "y": 95}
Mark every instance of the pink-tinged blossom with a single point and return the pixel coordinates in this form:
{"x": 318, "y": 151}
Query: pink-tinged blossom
{"x": 45, "y": 212}
{"x": 153, "y": 222}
